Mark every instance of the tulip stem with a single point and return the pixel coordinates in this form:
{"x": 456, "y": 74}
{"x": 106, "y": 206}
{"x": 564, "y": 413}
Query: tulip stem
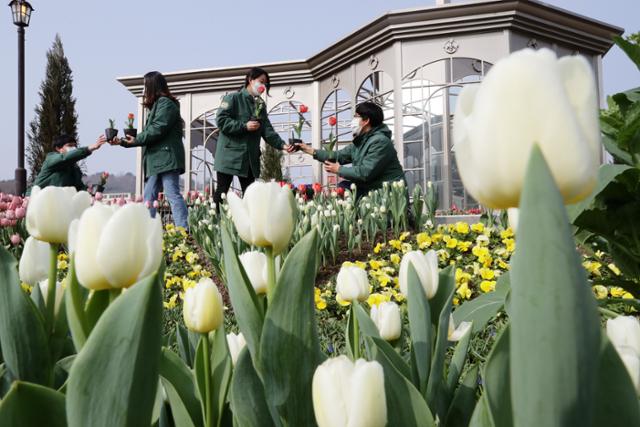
{"x": 608, "y": 312}
{"x": 356, "y": 332}
{"x": 51, "y": 289}
{"x": 113, "y": 294}
{"x": 271, "y": 272}
{"x": 207, "y": 380}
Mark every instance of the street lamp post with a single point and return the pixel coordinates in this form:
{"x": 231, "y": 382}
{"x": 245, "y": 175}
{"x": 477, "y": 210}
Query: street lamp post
{"x": 21, "y": 13}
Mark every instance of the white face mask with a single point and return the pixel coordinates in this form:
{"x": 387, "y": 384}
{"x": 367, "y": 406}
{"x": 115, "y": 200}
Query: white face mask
{"x": 356, "y": 127}
{"x": 256, "y": 87}
{"x": 70, "y": 149}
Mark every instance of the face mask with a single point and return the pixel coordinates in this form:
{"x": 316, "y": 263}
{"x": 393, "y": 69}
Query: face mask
{"x": 71, "y": 149}
{"x": 258, "y": 88}
{"x": 356, "y": 127}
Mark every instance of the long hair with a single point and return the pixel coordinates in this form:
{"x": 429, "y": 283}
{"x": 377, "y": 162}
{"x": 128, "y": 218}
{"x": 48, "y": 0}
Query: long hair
{"x": 253, "y": 74}
{"x": 155, "y": 86}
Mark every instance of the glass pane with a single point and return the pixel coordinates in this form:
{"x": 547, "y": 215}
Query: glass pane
{"x": 338, "y": 105}
{"x": 413, "y": 156}
{"x": 414, "y": 177}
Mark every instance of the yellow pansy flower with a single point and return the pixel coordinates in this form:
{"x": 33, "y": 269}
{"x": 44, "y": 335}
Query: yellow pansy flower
{"x": 376, "y": 299}
{"x": 396, "y": 244}
{"x": 478, "y": 227}
{"x": 406, "y": 247}
{"x": 436, "y": 237}
{"x": 488, "y": 285}
{"x": 600, "y": 291}
{"x": 456, "y": 301}
{"x": 375, "y": 264}
{"x": 617, "y": 292}
{"x": 171, "y": 303}
{"x": 615, "y": 269}
{"x": 592, "y": 267}
{"x": 506, "y": 233}
{"x": 452, "y": 243}
{"x": 462, "y": 227}
{"x": 191, "y": 257}
{"x": 62, "y": 265}
{"x": 464, "y": 246}
{"x": 378, "y": 248}
{"x": 423, "y": 240}
{"x": 487, "y": 274}
{"x": 321, "y": 304}
{"x": 463, "y": 291}
{"x": 404, "y": 236}
{"x": 395, "y": 258}
{"x": 384, "y": 280}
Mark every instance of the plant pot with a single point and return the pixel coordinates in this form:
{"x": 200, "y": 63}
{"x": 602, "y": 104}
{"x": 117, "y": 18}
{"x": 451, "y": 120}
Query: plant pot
{"x": 133, "y": 132}
{"x": 295, "y": 141}
{"x": 254, "y": 119}
{"x": 99, "y": 188}
{"x": 110, "y": 133}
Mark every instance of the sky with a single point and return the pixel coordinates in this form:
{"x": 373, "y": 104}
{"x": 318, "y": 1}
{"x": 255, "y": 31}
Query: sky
{"x": 107, "y": 39}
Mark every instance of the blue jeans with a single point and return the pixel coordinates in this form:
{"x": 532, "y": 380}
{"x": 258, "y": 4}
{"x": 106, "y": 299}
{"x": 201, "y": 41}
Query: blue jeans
{"x": 169, "y": 182}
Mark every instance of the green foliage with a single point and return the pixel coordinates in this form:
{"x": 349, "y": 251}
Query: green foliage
{"x": 271, "y": 167}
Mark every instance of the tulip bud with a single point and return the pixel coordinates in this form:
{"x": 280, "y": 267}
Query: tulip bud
{"x": 494, "y": 131}
{"x": 265, "y": 217}
{"x": 349, "y": 394}
{"x": 386, "y": 317}
{"x": 98, "y": 196}
{"x": 44, "y": 288}
{"x": 15, "y": 239}
{"x": 456, "y": 334}
{"x": 34, "y": 262}
{"x": 513, "y": 214}
{"x": 203, "y": 307}
{"x": 236, "y": 343}
{"x": 21, "y": 213}
{"x": 115, "y": 248}
{"x": 255, "y": 265}
{"x": 51, "y": 211}
{"x": 624, "y": 334}
{"x": 426, "y": 266}
{"x": 352, "y": 284}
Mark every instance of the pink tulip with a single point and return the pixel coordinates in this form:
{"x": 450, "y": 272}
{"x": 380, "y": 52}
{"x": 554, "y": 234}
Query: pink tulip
{"x": 147, "y": 203}
{"x": 13, "y": 223}
{"x": 21, "y": 213}
{"x": 16, "y": 239}
{"x": 121, "y": 202}
{"x": 156, "y": 205}
{"x": 98, "y": 196}
{"x": 139, "y": 199}
{"x": 4, "y": 222}
{"x": 3, "y": 206}
{"x": 11, "y": 214}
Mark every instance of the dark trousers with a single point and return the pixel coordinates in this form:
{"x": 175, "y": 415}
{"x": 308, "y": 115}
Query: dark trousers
{"x": 224, "y": 183}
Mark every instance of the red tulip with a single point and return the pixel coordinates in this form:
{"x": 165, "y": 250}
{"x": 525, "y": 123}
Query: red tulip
{"x": 332, "y": 121}
{"x": 303, "y": 108}
{"x": 340, "y": 191}
{"x": 130, "y": 116}
{"x": 302, "y": 188}
{"x": 206, "y": 190}
{"x": 317, "y": 188}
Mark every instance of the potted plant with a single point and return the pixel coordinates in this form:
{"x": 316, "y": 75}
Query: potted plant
{"x": 111, "y": 132}
{"x": 129, "y": 130}
{"x": 103, "y": 182}
{"x": 297, "y": 129}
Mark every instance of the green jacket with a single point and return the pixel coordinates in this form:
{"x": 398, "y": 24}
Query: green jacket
{"x": 61, "y": 170}
{"x": 238, "y": 150}
{"x": 161, "y": 139}
{"x": 374, "y": 160}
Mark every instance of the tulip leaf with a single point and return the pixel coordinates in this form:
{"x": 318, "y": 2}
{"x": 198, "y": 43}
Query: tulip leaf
{"x": 179, "y": 384}
{"x": 289, "y": 346}
{"x": 555, "y": 331}
{"x": 75, "y": 297}
{"x": 464, "y": 401}
{"x": 497, "y": 386}
{"x": 220, "y": 370}
{"x": 406, "y": 406}
{"x": 247, "y": 395}
{"x": 367, "y": 327}
{"x": 32, "y": 405}
{"x": 482, "y": 309}
{"x": 22, "y": 332}
{"x": 617, "y": 403}
{"x": 114, "y": 379}
{"x": 457, "y": 362}
{"x": 481, "y": 416}
{"x": 185, "y": 346}
{"x": 420, "y": 329}
{"x": 38, "y": 299}
{"x": 442, "y": 302}
{"x": 243, "y": 297}
{"x": 96, "y": 305}
{"x": 392, "y": 356}
{"x": 349, "y": 331}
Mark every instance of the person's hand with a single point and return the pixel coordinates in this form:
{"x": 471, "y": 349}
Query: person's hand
{"x": 331, "y": 167}
{"x": 128, "y": 140}
{"x": 253, "y": 125}
{"x": 99, "y": 143}
{"x": 290, "y": 148}
{"x": 115, "y": 141}
{"x": 305, "y": 148}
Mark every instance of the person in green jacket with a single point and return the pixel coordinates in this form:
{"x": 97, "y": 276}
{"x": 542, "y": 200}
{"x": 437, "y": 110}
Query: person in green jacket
{"x": 163, "y": 154}
{"x": 370, "y": 160}
{"x": 60, "y": 167}
{"x": 243, "y": 121}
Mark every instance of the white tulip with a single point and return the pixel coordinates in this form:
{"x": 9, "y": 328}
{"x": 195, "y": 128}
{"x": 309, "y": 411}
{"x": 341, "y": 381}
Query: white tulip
{"x": 255, "y": 265}
{"x": 236, "y": 343}
{"x": 513, "y": 215}
{"x": 456, "y": 334}
{"x": 265, "y": 216}
{"x": 51, "y": 211}
{"x": 203, "y": 307}
{"x": 624, "y": 334}
{"x": 528, "y": 98}
{"x": 352, "y": 284}
{"x": 426, "y": 266}
{"x": 386, "y": 317}
{"x": 116, "y": 248}
{"x": 347, "y": 394}
{"x": 34, "y": 262}
{"x": 44, "y": 288}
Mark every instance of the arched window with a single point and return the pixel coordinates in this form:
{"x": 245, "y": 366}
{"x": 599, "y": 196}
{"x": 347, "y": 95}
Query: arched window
{"x": 429, "y": 95}
{"x": 378, "y": 88}
{"x": 204, "y": 138}
{"x": 284, "y": 117}
{"x": 339, "y": 105}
